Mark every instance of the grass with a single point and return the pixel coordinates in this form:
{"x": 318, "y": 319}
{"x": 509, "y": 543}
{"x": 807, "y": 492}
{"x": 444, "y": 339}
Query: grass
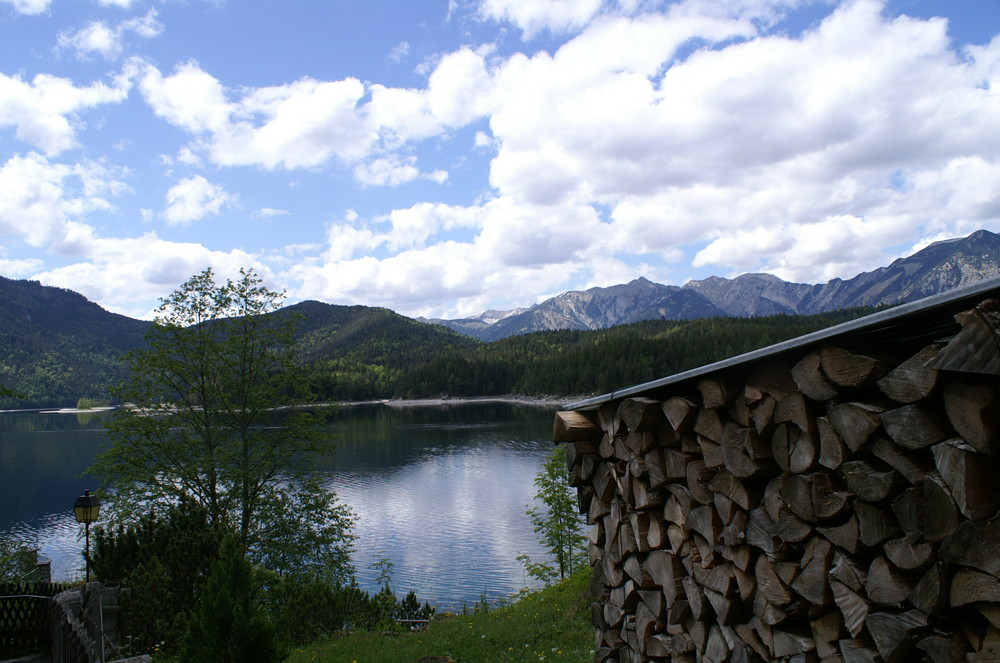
{"x": 551, "y": 625}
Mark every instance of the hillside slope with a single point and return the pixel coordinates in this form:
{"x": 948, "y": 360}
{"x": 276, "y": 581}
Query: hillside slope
{"x": 56, "y": 346}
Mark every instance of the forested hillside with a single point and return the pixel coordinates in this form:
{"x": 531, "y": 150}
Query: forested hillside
{"x": 361, "y": 353}
{"x": 559, "y": 363}
{"x": 56, "y": 347}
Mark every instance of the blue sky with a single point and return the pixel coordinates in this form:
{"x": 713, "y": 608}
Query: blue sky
{"x": 441, "y": 158}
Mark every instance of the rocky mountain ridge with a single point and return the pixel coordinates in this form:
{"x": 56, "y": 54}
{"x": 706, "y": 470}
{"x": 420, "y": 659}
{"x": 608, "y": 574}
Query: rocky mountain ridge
{"x": 937, "y": 268}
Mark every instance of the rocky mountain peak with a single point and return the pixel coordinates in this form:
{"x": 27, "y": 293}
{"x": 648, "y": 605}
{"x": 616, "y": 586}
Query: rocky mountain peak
{"x": 936, "y": 268}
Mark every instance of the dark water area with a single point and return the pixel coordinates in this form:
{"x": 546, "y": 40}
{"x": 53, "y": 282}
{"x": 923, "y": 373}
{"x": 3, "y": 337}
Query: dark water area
{"x": 441, "y": 491}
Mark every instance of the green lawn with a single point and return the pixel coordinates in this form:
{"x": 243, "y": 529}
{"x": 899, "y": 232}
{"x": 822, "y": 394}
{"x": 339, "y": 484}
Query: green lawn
{"x": 551, "y": 625}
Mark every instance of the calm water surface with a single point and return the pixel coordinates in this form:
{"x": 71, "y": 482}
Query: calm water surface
{"x": 441, "y": 491}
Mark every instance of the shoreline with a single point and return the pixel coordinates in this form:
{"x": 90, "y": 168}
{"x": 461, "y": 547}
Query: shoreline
{"x": 459, "y": 400}
{"x": 546, "y": 402}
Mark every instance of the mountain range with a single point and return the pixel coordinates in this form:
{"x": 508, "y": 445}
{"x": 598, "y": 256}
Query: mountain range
{"x": 56, "y": 346}
{"x": 939, "y": 267}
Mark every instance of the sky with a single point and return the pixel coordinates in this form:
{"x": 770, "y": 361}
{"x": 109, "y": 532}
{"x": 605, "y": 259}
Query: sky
{"x": 445, "y": 157}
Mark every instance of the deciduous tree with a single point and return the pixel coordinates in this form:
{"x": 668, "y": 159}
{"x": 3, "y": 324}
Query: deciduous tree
{"x": 556, "y": 521}
{"x": 213, "y": 412}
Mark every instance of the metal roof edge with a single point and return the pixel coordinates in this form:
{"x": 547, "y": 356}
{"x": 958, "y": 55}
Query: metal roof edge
{"x": 948, "y": 299}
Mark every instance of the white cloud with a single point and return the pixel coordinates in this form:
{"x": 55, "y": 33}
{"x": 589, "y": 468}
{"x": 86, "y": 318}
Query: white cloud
{"x": 387, "y": 171}
{"x": 439, "y": 176}
{"x": 399, "y": 51}
{"x": 41, "y": 202}
{"x": 268, "y": 212}
{"x": 512, "y": 253}
{"x": 302, "y": 124}
{"x": 393, "y": 171}
{"x": 308, "y": 123}
{"x": 540, "y": 15}
{"x": 29, "y": 7}
{"x": 152, "y": 268}
{"x": 97, "y": 37}
{"x": 190, "y": 98}
{"x": 41, "y": 109}
{"x": 19, "y": 268}
{"x": 803, "y": 156}
{"x": 755, "y": 135}
{"x": 193, "y": 198}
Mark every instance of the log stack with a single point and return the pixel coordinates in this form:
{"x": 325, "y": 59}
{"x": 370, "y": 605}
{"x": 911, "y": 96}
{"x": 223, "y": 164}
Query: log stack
{"x": 835, "y": 505}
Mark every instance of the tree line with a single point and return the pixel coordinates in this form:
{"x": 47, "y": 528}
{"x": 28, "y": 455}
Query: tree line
{"x": 564, "y": 362}
{"x": 58, "y": 348}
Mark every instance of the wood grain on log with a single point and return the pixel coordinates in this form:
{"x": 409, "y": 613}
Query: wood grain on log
{"x": 852, "y": 606}
{"x": 941, "y": 514}
{"x": 975, "y": 349}
{"x": 576, "y": 426}
{"x": 845, "y": 368}
{"x": 970, "y": 478}
{"x": 763, "y": 415}
{"x": 870, "y": 481}
{"x": 831, "y": 447}
{"x": 715, "y": 392}
{"x": 913, "y": 465}
{"x": 855, "y": 422}
{"x": 859, "y": 650}
{"x": 941, "y": 648}
{"x": 772, "y": 377}
{"x": 916, "y": 426}
{"x": 639, "y": 414}
{"x": 812, "y": 583}
{"x": 680, "y": 412}
{"x": 909, "y": 553}
{"x": 708, "y": 423}
{"x": 887, "y": 585}
{"x": 896, "y": 633}
{"x": 811, "y": 380}
{"x": 970, "y": 586}
{"x": 844, "y": 535}
{"x": 744, "y": 454}
{"x": 793, "y": 449}
{"x": 976, "y": 545}
{"x": 874, "y": 524}
{"x": 698, "y": 478}
{"x": 912, "y": 380}
{"x": 974, "y": 412}
{"x": 930, "y": 594}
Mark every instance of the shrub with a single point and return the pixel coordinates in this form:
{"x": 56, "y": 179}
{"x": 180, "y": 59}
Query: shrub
{"x": 228, "y": 624}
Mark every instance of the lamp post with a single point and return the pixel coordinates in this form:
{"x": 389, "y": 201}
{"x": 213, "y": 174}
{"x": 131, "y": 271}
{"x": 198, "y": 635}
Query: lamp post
{"x": 86, "y": 508}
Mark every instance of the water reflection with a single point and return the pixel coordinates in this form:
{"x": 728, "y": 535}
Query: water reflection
{"x": 441, "y": 491}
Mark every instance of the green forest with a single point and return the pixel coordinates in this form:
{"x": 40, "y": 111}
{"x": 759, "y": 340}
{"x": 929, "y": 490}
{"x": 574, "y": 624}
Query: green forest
{"x": 59, "y": 348}
{"x": 561, "y": 363}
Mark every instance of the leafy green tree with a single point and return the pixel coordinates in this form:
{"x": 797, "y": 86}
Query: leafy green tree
{"x": 202, "y": 421}
{"x": 556, "y": 521}
{"x": 17, "y": 558}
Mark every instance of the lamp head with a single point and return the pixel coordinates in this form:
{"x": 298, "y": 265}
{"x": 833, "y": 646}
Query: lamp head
{"x": 86, "y": 508}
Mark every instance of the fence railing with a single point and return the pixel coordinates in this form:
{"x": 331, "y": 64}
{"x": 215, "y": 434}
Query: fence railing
{"x": 75, "y": 624}
{"x": 24, "y": 616}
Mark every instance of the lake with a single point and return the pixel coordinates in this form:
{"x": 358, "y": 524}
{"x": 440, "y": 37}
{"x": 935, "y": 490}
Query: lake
{"x": 441, "y": 491}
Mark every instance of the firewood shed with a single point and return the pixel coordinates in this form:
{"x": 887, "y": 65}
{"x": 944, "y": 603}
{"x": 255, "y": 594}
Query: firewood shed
{"x": 832, "y": 498}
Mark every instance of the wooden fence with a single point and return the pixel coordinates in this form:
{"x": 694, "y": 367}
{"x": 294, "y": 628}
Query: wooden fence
{"x": 24, "y": 617}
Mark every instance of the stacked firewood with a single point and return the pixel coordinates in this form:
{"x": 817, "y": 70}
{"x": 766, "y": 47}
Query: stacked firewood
{"x": 834, "y": 505}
